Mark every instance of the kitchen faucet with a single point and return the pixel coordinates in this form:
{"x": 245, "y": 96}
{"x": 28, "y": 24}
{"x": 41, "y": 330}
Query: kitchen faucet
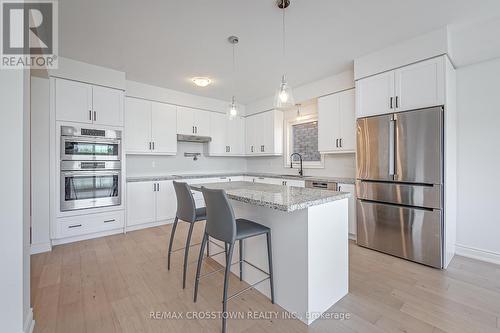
{"x": 301, "y": 171}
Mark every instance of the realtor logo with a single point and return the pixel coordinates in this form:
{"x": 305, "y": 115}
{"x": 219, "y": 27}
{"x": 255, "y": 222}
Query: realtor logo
{"x": 29, "y": 34}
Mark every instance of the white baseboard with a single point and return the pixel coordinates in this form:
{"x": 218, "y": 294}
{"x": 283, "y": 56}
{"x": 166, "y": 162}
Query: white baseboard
{"x": 41, "y": 247}
{"x": 88, "y": 236}
{"x": 148, "y": 225}
{"x": 478, "y": 254}
{"x": 29, "y": 323}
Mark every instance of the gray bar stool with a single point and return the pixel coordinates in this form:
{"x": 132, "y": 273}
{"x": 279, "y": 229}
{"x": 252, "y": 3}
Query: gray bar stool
{"x": 222, "y": 225}
{"x": 187, "y": 212}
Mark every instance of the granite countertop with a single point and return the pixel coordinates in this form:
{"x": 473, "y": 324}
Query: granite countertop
{"x": 283, "y": 198}
{"x": 341, "y": 180}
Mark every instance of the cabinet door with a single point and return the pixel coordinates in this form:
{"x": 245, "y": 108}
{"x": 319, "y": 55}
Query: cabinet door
{"x": 219, "y": 143}
{"x": 328, "y": 123}
{"x": 250, "y": 134}
{"x": 352, "y": 205}
{"x": 202, "y": 122}
{"x": 373, "y": 95}
{"x": 236, "y": 135}
{"x": 266, "y": 133}
{"x": 73, "y": 101}
{"x": 295, "y": 182}
{"x": 166, "y": 201}
{"x": 420, "y": 85}
{"x": 107, "y": 105}
{"x": 141, "y": 203}
{"x": 347, "y": 121}
{"x": 164, "y": 128}
{"x": 185, "y": 120}
{"x": 137, "y": 129}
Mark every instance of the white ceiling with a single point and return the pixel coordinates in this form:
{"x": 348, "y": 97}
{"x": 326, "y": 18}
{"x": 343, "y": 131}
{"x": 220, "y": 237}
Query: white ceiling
{"x": 166, "y": 42}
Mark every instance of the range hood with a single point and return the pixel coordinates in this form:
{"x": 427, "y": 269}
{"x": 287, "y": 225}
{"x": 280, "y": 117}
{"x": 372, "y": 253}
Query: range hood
{"x": 193, "y": 138}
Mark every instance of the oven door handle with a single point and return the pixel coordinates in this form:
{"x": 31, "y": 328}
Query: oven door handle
{"x": 90, "y": 173}
{"x": 90, "y": 140}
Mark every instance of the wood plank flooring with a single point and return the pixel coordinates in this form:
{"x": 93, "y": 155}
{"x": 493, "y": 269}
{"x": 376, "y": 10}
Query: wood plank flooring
{"x": 112, "y": 284}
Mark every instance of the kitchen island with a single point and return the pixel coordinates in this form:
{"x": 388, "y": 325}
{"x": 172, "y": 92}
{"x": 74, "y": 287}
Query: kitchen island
{"x": 309, "y": 230}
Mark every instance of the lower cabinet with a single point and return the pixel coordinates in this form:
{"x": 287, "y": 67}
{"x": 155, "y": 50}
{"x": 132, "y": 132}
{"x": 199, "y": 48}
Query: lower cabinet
{"x": 352, "y": 207}
{"x": 89, "y": 223}
{"x": 151, "y": 201}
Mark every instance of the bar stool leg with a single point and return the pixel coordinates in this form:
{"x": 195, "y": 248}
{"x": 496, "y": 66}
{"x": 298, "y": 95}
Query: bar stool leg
{"x": 208, "y": 248}
{"x": 241, "y": 259}
{"x": 270, "y": 260}
{"x": 198, "y": 269}
{"x": 176, "y": 220}
{"x": 226, "y": 283}
{"x": 225, "y": 250}
{"x": 186, "y": 255}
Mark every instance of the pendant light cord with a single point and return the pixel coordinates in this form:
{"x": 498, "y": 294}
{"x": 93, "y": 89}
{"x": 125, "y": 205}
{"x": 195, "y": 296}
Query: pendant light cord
{"x": 283, "y": 26}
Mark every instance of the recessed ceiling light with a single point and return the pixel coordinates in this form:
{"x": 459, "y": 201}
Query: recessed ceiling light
{"x": 201, "y": 81}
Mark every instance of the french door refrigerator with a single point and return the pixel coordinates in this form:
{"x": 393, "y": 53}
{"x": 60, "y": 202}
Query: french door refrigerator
{"x": 400, "y": 184}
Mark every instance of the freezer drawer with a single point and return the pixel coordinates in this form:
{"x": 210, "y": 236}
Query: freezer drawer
{"x": 428, "y": 196}
{"x": 409, "y": 233}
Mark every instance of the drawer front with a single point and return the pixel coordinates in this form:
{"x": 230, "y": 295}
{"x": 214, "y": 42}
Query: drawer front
{"x": 81, "y": 225}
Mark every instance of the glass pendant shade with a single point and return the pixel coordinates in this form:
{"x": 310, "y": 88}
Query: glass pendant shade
{"x": 232, "y": 111}
{"x": 284, "y": 96}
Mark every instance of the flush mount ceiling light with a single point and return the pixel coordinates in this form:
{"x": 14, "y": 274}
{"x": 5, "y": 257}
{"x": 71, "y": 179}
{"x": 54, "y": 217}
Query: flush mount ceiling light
{"x": 232, "y": 111}
{"x": 201, "y": 81}
{"x": 284, "y": 96}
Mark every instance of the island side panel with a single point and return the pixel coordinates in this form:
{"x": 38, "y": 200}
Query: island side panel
{"x": 289, "y": 243}
{"x": 328, "y": 258}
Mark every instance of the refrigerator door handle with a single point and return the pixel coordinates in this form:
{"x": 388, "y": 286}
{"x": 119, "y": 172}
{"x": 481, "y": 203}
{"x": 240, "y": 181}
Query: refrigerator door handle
{"x": 392, "y": 129}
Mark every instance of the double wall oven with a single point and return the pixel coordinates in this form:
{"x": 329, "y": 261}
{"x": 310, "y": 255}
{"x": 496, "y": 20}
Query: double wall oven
{"x": 90, "y": 168}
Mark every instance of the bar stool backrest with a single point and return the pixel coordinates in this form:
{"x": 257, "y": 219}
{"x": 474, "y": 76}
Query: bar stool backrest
{"x": 186, "y": 208}
{"x": 221, "y": 223}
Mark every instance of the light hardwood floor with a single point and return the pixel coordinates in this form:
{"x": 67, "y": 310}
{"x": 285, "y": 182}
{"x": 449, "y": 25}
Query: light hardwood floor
{"x": 112, "y": 284}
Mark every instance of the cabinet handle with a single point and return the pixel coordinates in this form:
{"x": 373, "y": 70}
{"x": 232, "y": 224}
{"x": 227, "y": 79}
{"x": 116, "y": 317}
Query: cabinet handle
{"x": 108, "y": 221}
{"x": 251, "y": 149}
{"x": 229, "y": 147}
{"x": 158, "y": 187}
{"x": 337, "y": 143}
{"x": 75, "y": 226}
{"x": 397, "y": 104}
{"x": 90, "y": 114}
{"x": 95, "y": 115}
{"x": 154, "y": 187}
{"x": 149, "y": 145}
{"x": 340, "y": 142}
{"x": 153, "y": 145}
{"x": 340, "y": 188}
{"x": 390, "y": 103}
{"x": 196, "y": 129}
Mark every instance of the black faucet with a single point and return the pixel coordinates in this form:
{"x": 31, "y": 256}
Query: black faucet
{"x": 301, "y": 171}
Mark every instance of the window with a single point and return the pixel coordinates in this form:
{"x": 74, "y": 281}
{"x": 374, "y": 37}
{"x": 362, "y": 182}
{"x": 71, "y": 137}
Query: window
{"x": 302, "y": 138}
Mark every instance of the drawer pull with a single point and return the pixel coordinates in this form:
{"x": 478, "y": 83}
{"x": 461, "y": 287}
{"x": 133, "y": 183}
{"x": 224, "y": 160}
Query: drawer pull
{"x": 107, "y": 221}
{"x": 75, "y": 226}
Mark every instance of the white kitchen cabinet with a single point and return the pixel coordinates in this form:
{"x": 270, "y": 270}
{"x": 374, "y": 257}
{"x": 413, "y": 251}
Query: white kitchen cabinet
{"x": 73, "y": 101}
{"x": 375, "y": 95}
{"x": 193, "y": 121}
{"x": 89, "y": 224}
{"x": 141, "y": 203}
{"x": 151, "y": 201}
{"x": 420, "y": 85}
{"x": 107, "y": 106}
{"x": 228, "y": 135}
{"x": 150, "y": 127}
{"x": 164, "y": 128}
{"x": 265, "y": 134}
{"x": 352, "y": 206}
{"x": 86, "y": 103}
{"x": 415, "y": 86}
{"x": 337, "y": 123}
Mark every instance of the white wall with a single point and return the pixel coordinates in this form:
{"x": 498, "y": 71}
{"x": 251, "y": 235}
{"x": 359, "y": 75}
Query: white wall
{"x": 478, "y": 91}
{"x": 14, "y": 200}
{"x": 40, "y": 164}
{"x": 162, "y": 165}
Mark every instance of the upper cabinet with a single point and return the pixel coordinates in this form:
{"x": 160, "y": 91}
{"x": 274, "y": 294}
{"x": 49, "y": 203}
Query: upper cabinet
{"x": 150, "y": 127}
{"x": 193, "y": 121}
{"x": 264, "y": 134}
{"x": 228, "y": 135}
{"x": 337, "y": 123}
{"x": 411, "y": 87}
{"x": 85, "y": 103}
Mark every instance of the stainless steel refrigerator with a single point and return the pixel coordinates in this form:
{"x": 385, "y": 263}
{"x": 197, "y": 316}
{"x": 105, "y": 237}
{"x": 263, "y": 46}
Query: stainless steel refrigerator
{"x": 400, "y": 184}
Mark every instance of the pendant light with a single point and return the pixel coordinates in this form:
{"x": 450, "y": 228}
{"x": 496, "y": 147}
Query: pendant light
{"x": 284, "y": 96}
{"x": 232, "y": 111}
